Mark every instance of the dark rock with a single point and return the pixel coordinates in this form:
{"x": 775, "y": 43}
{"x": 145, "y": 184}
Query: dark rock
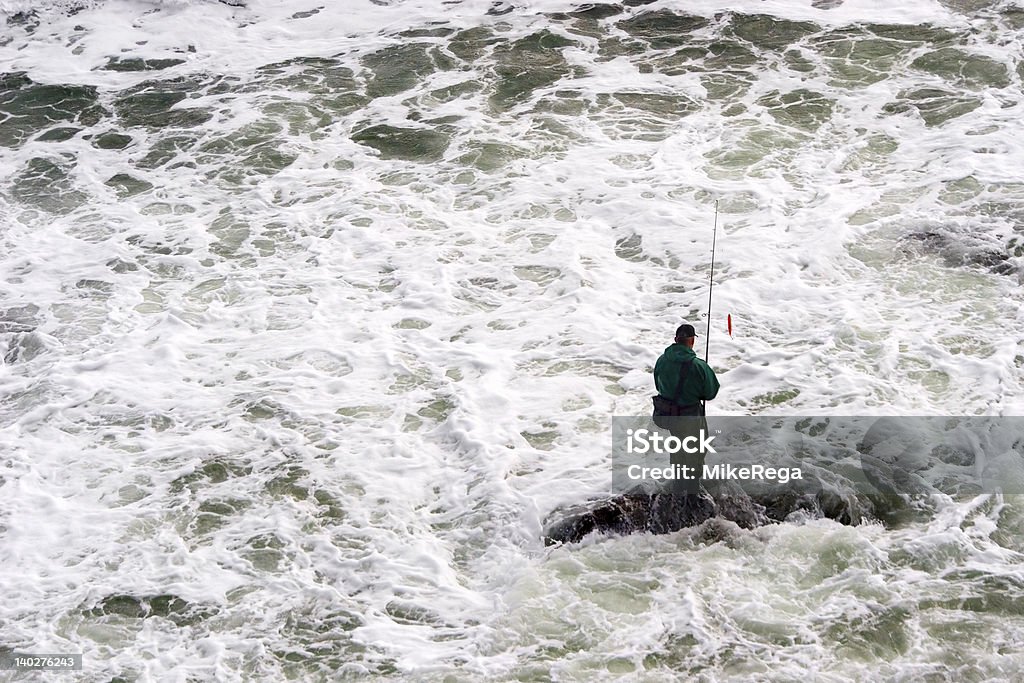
{"x": 629, "y": 513}
{"x": 663, "y": 513}
{"x": 959, "y": 249}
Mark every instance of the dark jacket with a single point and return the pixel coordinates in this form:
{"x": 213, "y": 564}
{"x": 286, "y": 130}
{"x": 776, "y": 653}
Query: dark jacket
{"x": 700, "y": 385}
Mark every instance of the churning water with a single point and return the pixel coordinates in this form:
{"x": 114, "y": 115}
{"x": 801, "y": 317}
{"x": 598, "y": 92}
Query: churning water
{"x": 311, "y": 313}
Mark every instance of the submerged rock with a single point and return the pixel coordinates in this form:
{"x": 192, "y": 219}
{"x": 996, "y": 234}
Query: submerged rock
{"x": 629, "y": 513}
{"x": 959, "y": 249}
{"x": 664, "y": 513}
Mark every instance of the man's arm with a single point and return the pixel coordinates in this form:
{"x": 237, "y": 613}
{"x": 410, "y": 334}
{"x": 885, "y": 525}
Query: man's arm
{"x": 711, "y": 385}
{"x": 659, "y": 370}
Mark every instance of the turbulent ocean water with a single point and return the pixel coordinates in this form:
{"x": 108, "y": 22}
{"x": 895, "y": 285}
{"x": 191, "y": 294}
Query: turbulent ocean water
{"x": 312, "y": 313}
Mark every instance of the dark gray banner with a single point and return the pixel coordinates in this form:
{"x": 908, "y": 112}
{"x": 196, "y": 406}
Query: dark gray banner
{"x": 879, "y": 455}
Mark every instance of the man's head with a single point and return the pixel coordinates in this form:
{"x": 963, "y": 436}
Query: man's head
{"x": 685, "y": 334}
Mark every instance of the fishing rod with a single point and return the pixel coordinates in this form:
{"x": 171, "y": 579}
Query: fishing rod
{"x": 714, "y": 237}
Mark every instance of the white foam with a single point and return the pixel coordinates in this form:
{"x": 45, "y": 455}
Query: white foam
{"x": 437, "y": 358}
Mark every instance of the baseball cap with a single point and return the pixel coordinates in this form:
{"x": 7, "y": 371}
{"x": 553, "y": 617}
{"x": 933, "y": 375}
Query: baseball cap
{"x": 684, "y": 331}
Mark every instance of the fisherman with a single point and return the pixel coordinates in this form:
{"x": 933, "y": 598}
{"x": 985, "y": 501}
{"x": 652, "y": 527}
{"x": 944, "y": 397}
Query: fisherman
{"x": 684, "y": 383}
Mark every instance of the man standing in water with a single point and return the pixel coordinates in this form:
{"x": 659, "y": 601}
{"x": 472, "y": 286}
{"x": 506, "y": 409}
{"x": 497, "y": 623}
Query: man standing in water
{"x": 684, "y": 382}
